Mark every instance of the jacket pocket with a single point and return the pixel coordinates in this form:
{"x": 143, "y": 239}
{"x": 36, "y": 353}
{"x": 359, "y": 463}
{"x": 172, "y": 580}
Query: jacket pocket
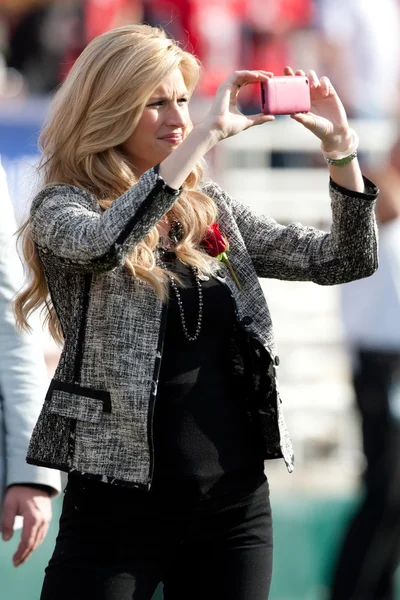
{"x": 77, "y": 402}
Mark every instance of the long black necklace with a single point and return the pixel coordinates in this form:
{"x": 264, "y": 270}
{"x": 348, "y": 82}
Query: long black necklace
{"x": 175, "y": 235}
{"x": 190, "y": 338}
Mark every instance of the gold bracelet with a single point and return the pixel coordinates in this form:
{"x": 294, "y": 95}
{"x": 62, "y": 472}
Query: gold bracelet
{"x": 340, "y": 159}
{"x": 341, "y": 162}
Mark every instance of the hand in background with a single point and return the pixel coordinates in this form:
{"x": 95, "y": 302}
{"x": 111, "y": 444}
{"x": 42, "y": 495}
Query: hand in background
{"x": 35, "y": 507}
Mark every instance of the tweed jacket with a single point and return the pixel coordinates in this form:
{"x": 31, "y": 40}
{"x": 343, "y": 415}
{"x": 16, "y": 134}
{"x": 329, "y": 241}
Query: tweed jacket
{"x": 97, "y": 417}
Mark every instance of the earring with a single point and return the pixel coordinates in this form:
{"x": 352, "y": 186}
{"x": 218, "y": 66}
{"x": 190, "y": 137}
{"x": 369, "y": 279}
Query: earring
{"x": 176, "y": 231}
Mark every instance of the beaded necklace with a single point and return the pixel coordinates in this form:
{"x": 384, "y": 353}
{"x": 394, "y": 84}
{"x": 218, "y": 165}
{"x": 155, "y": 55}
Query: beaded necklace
{"x": 175, "y": 234}
{"x": 190, "y": 338}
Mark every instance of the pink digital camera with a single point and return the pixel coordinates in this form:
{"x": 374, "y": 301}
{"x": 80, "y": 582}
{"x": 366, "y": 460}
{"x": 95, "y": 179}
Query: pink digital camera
{"x": 285, "y": 95}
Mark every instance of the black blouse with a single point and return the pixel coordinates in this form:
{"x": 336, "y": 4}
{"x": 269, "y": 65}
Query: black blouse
{"x": 201, "y": 429}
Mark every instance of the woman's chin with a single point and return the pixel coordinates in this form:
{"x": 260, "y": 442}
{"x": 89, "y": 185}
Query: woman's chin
{"x": 167, "y": 152}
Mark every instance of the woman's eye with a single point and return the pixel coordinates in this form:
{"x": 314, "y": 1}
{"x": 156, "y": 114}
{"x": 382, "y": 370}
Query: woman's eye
{"x": 163, "y": 102}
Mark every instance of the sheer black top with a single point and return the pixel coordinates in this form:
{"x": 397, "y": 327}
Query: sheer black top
{"x": 201, "y": 428}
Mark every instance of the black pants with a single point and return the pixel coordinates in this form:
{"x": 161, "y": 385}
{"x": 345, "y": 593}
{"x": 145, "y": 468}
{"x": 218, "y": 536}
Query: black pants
{"x": 117, "y": 544}
{"x": 371, "y": 550}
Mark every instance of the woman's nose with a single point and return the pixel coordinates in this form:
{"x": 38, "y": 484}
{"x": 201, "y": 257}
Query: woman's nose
{"x": 177, "y": 115}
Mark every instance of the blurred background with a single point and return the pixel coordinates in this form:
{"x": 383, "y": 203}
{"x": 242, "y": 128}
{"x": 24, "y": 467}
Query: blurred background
{"x": 276, "y": 169}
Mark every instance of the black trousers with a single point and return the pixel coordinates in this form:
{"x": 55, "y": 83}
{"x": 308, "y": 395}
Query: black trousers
{"x": 118, "y": 543}
{"x": 371, "y": 549}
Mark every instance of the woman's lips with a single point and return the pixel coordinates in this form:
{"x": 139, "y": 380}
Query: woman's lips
{"x": 172, "y": 138}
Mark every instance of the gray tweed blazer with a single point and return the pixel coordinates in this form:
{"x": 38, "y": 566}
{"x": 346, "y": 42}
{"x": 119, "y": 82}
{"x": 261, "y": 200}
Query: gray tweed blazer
{"x": 97, "y": 415}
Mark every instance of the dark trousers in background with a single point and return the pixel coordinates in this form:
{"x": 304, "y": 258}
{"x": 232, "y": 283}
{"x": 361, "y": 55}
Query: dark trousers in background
{"x": 117, "y": 543}
{"x": 371, "y": 550}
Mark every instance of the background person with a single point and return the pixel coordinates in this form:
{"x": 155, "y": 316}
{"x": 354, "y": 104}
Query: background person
{"x": 25, "y": 490}
{"x": 164, "y": 404}
{"x": 350, "y": 50}
{"x": 369, "y": 556}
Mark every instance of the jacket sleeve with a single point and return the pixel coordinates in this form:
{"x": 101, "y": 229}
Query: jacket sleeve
{"x": 23, "y": 375}
{"x": 66, "y": 222}
{"x": 298, "y": 252}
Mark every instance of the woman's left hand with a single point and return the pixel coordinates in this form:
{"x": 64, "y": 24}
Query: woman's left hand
{"x": 327, "y": 118}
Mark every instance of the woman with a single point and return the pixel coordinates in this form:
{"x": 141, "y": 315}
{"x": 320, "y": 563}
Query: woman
{"x": 164, "y": 404}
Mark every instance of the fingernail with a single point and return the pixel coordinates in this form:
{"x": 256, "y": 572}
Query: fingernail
{"x": 6, "y": 536}
{"x": 18, "y": 561}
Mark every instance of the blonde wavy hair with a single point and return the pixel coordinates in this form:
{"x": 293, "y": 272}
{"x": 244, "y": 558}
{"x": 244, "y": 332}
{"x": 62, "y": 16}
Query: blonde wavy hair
{"x": 93, "y": 113}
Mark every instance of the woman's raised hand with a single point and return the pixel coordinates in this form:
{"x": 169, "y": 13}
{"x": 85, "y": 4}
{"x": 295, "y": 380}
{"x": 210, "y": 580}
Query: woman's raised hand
{"x": 327, "y": 121}
{"x": 224, "y": 117}
{"x": 327, "y": 118}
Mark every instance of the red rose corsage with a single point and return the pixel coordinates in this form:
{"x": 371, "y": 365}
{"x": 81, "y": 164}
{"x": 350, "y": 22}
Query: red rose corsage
{"x": 216, "y": 245}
